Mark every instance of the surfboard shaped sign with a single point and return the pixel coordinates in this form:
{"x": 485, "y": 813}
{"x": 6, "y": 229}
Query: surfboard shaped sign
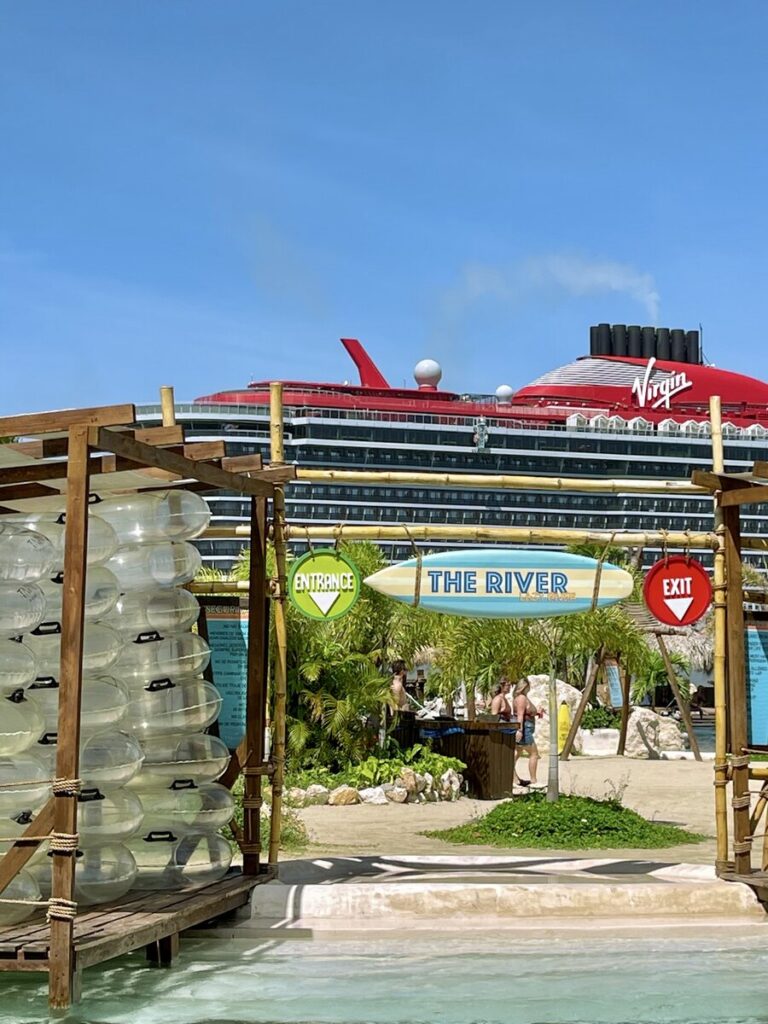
{"x": 504, "y": 583}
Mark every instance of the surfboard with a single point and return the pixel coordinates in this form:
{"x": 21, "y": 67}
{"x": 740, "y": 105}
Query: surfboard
{"x": 503, "y": 583}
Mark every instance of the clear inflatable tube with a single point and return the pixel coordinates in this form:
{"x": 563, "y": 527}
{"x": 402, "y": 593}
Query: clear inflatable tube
{"x": 199, "y": 758}
{"x": 111, "y": 816}
{"x": 22, "y": 608}
{"x": 23, "y": 887}
{"x": 102, "y": 873}
{"x": 18, "y": 667}
{"x": 187, "y": 705}
{"x": 104, "y": 702}
{"x": 101, "y": 594}
{"x": 108, "y": 760}
{"x": 185, "y": 808}
{"x": 142, "y": 662}
{"x": 156, "y": 611}
{"x": 167, "y": 861}
{"x": 21, "y": 723}
{"x": 165, "y": 564}
{"x": 102, "y": 541}
{"x": 161, "y": 515}
{"x": 101, "y": 647}
{"x": 24, "y": 784}
{"x": 25, "y": 556}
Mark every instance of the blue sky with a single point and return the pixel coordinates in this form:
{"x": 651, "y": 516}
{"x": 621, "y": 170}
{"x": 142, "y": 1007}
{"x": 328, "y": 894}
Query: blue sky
{"x": 200, "y": 192}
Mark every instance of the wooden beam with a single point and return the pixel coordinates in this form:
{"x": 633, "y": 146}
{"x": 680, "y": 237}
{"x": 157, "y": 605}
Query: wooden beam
{"x": 20, "y": 492}
{"x": 760, "y": 468}
{"x": 53, "y": 422}
{"x": 111, "y": 441}
{"x": 737, "y": 689}
{"x": 685, "y": 710}
{"x": 242, "y": 463}
{"x": 55, "y": 447}
{"x": 62, "y": 977}
{"x": 624, "y": 680}
{"x": 718, "y": 481}
{"x": 256, "y": 692}
{"x": 745, "y": 495}
{"x": 18, "y": 855}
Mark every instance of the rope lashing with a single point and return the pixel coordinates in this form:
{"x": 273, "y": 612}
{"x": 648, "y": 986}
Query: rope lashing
{"x": 738, "y": 803}
{"x": 66, "y": 787}
{"x": 744, "y": 847}
{"x": 338, "y": 532}
{"x": 310, "y": 546}
{"x": 64, "y": 842}
{"x": 60, "y": 909}
{"x": 740, "y": 760}
{"x": 417, "y": 579}
{"x": 599, "y": 573}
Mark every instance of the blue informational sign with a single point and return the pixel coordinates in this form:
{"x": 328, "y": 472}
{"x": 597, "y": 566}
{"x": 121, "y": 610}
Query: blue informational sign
{"x": 614, "y": 684}
{"x": 756, "y": 644}
{"x": 503, "y": 584}
{"x": 227, "y": 625}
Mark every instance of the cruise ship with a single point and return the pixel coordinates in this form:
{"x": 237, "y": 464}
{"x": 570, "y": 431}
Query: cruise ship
{"x": 635, "y": 406}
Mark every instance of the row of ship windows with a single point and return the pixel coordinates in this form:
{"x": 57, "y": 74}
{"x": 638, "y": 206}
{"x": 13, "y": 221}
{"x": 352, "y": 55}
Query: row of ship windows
{"x": 475, "y": 501}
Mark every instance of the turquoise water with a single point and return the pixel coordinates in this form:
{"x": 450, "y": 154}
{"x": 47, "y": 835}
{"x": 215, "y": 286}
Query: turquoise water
{"x": 422, "y": 980}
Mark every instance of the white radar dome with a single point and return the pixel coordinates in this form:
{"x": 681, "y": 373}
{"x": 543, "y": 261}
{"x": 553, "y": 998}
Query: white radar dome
{"x": 427, "y": 373}
{"x": 504, "y": 394}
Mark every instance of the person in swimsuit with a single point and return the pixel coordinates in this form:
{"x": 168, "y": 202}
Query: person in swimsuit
{"x": 501, "y": 708}
{"x": 526, "y": 713}
{"x": 397, "y": 686}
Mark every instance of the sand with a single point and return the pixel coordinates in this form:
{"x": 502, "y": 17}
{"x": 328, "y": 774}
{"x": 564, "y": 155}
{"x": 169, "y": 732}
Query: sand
{"x": 677, "y": 792}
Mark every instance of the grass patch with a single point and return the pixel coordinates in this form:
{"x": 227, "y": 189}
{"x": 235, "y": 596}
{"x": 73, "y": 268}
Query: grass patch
{"x": 573, "y": 823}
{"x": 293, "y": 832}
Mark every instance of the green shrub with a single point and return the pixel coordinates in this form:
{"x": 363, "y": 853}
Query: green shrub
{"x": 376, "y": 771}
{"x": 571, "y": 823}
{"x": 601, "y": 718}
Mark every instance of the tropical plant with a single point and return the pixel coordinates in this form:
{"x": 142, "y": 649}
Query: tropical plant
{"x": 654, "y": 675}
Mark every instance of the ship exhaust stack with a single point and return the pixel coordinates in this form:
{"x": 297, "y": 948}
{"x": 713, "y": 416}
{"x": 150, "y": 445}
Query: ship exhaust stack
{"x": 669, "y": 345}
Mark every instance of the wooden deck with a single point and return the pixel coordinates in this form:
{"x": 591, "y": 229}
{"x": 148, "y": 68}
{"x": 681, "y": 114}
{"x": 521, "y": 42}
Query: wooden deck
{"x": 141, "y": 919}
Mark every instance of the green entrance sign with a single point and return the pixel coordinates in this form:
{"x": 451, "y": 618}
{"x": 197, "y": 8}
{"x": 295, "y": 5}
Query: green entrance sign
{"x": 324, "y": 584}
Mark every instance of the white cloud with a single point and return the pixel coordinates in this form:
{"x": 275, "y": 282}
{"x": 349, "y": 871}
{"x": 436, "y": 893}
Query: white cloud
{"x": 570, "y": 274}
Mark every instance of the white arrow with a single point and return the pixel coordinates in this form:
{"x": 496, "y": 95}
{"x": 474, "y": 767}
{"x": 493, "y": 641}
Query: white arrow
{"x": 678, "y": 606}
{"x": 325, "y": 600}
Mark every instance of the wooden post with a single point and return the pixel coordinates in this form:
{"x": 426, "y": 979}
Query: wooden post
{"x": 62, "y": 974}
{"x": 168, "y": 406}
{"x": 256, "y": 695}
{"x": 685, "y": 710}
{"x": 737, "y": 691}
{"x": 719, "y": 661}
{"x": 624, "y": 680}
{"x": 586, "y": 694}
{"x": 277, "y": 457}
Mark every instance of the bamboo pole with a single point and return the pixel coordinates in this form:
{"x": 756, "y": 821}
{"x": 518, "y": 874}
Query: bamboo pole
{"x": 499, "y": 481}
{"x": 624, "y": 726}
{"x": 484, "y": 534}
{"x": 685, "y": 711}
{"x": 719, "y": 666}
{"x": 62, "y": 980}
{"x": 167, "y": 406}
{"x": 586, "y": 693}
{"x": 277, "y": 457}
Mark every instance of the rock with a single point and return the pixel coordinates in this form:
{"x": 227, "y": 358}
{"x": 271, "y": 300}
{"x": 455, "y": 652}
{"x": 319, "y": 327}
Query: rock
{"x": 597, "y": 742}
{"x": 397, "y": 794}
{"x": 343, "y": 795}
{"x": 421, "y": 783}
{"x": 431, "y": 796}
{"x": 296, "y": 797}
{"x": 450, "y": 785}
{"x": 648, "y": 734}
{"x": 539, "y": 695}
{"x": 317, "y": 794}
{"x": 409, "y": 780}
{"x": 373, "y": 795}
{"x": 429, "y": 783}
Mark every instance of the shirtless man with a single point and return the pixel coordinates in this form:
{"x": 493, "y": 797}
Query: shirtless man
{"x": 397, "y": 686}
